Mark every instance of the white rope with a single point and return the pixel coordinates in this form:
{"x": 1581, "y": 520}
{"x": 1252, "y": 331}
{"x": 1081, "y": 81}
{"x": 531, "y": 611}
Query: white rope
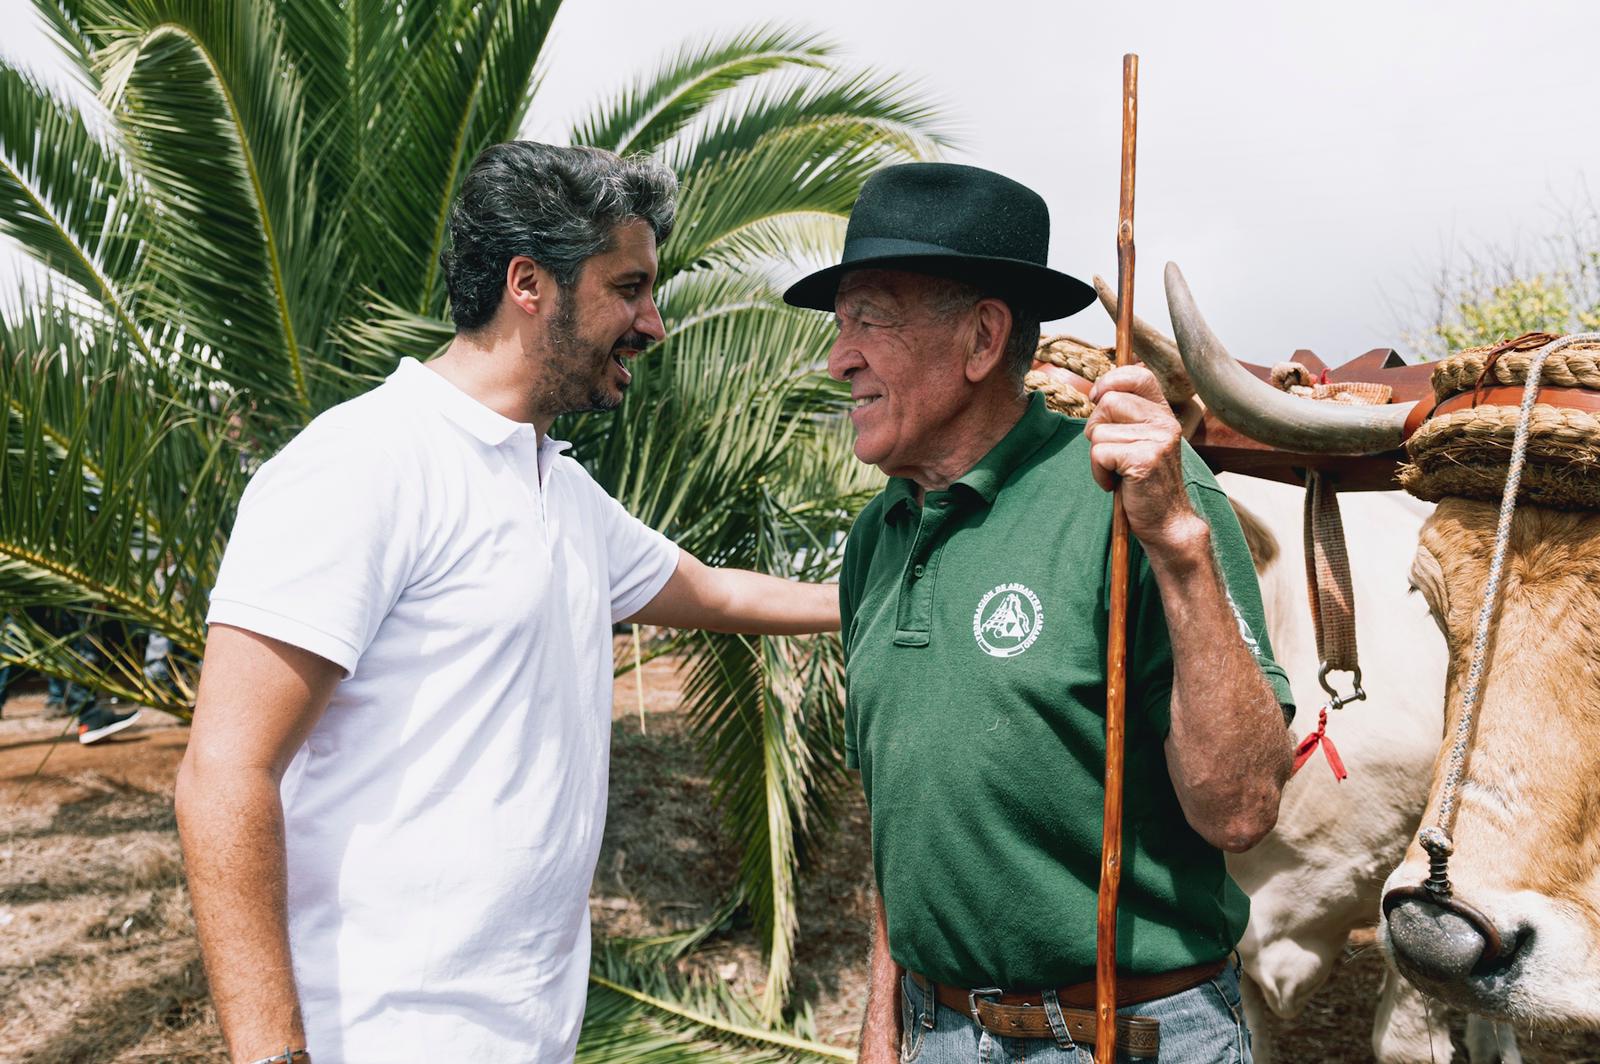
{"x": 1491, "y": 593}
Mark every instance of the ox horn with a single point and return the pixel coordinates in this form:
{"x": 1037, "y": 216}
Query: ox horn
{"x": 1264, "y": 413}
{"x": 1157, "y": 352}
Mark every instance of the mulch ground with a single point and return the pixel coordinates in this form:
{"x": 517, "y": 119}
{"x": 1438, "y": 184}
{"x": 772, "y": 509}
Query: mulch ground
{"x": 98, "y": 961}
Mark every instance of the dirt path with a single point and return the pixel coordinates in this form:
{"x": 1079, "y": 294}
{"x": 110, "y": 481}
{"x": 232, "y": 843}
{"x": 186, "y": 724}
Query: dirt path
{"x": 98, "y": 962}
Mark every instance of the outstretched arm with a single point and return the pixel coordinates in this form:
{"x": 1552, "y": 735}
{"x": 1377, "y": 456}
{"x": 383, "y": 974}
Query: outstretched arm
{"x": 738, "y": 600}
{"x": 258, "y": 700}
{"x": 1228, "y": 752}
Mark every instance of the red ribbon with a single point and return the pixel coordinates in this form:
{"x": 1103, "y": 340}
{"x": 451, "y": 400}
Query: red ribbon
{"x": 1320, "y": 737}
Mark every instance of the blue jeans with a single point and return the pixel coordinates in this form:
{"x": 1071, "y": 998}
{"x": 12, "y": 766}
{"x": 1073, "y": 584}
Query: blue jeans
{"x": 1201, "y": 1025}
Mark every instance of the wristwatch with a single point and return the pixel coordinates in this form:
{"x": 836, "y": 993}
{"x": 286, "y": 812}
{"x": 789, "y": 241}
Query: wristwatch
{"x": 288, "y": 1056}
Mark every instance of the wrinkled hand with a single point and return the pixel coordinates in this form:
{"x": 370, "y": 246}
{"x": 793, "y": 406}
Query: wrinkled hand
{"x": 1135, "y": 439}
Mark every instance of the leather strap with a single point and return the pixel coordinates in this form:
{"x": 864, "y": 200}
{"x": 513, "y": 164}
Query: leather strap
{"x": 1502, "y": 395}
{"x": 1333, "y": 600}
{"x": 1137, "y": 1036}
{"x": 1131, "y": 990}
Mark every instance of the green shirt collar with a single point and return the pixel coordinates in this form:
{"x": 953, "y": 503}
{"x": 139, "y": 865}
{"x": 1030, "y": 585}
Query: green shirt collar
{"x": 1036, "y": 425}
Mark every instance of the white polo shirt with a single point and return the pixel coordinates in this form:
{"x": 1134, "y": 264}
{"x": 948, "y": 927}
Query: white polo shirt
{"x": 444, "y": 817}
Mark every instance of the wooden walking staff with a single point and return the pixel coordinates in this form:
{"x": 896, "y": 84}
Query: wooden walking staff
{"x": 1105, "y": 978}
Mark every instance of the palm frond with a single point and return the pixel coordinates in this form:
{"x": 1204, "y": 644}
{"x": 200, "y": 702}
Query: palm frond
{"x": 722, "y": 403}
{"x": 65, "y": 197}
{"x": 469, "y": 71}
{"x": 801, "y": 149}
{"x": 210, "y": 104}
{"x": 387, "y": 332}
{"x": 110, "y": 504}
{"x": 639, "y": 1013}
{"x": 659, "y": 104}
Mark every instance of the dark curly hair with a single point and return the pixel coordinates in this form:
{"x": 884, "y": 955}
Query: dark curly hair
{"x": 557, "y": 206}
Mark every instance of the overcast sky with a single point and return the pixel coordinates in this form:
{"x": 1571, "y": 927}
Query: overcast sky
{"x": 1311, "y": 167}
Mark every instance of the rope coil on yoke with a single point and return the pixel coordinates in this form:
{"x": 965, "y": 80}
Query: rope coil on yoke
{"x": 1436, "y": 840}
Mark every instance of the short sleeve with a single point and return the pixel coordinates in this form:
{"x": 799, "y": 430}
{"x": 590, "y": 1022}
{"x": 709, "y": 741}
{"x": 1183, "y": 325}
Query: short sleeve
{"x": 639, "y": 560}
{"x": 1244, "y": 589}
{"x": 321, "y": 548}
{"x": 849, "y": 596}
{"x": 1150, "y": 645}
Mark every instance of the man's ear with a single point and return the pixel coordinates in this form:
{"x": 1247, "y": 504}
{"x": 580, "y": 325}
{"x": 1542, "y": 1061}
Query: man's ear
{"x": 993, "y": 328}
{"x": 529, "y": 286}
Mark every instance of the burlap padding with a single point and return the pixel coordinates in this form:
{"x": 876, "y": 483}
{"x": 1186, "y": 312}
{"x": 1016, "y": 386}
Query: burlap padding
{"x": 1577, "y": 366}
{"x": 1296, "y": 379}
{"x": 1082, "y": 358}
{"x": 1466, "y": 453}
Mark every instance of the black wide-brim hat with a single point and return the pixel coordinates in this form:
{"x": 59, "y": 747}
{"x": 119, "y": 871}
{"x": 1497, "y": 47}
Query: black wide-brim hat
{"x": 954, "y": 221}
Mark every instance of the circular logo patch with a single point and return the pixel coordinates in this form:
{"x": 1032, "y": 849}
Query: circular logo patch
{"x": 1007, "y": 621}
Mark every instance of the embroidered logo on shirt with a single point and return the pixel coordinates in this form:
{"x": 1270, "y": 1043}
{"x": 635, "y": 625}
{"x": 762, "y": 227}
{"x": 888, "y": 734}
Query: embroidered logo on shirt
{"x": 1008, "y": 621}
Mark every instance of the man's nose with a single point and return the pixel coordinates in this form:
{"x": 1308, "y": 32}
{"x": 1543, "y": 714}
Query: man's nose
{"x": 649, "y": 321}
{"x": 843, "y": 359}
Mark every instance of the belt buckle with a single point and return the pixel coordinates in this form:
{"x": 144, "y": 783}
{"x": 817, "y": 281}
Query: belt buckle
{"x": 972, "y": 1000}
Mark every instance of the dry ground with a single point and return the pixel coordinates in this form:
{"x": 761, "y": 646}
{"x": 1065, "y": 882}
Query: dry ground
{"x": 98, "y": 962}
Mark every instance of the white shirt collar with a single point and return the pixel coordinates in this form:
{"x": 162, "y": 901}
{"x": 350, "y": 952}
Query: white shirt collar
{"x": 478, "y": 420}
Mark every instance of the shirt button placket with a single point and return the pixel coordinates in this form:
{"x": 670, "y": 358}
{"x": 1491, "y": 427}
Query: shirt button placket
{"x": 914, "y": 617}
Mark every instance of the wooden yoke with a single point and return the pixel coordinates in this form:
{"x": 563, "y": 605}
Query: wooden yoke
{"x": 1227, "y": 450}
{"x": 1105, "y": 983}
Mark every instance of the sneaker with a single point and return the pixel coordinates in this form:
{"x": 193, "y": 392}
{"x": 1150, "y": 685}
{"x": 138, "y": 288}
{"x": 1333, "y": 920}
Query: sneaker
{"x": 56, "y": 708}
{"x": 101, "y": 722}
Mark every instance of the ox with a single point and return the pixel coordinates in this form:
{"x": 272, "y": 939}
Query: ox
{"x": 1321, "y": 873}
{"x": 1519, "y": 942}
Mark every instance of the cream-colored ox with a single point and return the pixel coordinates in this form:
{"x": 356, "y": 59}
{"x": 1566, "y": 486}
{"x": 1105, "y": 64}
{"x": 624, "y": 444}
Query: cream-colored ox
{"x": 1321, "y": 872}
{"x": 1518, "y": 940}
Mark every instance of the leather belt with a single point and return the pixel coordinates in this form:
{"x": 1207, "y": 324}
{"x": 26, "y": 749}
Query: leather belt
{"x": 1024, "y": 1014}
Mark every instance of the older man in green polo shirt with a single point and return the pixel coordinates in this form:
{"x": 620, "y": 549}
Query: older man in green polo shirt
{"x": 974, "y": 599}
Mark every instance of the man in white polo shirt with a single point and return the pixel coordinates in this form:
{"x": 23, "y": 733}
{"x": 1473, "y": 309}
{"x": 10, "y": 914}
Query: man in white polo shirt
{"x": 395, "y": 786}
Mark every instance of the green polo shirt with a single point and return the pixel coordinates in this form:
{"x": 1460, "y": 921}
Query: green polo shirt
{"x": 975, "y": 643}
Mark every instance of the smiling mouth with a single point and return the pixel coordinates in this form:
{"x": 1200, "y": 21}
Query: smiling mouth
{"x": 864, "y": 401}
{"x": 617, "y": 359}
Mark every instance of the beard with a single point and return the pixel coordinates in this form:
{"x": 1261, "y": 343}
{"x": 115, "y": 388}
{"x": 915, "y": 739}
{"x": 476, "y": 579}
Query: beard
{"x": 578, "y": 368}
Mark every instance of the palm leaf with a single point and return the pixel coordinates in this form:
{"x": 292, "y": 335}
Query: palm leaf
{"x": 639, "y": 1013}
{"x": 109, "y": 503}
{"x": 66, "y": 199}
{"x": 211, "y": 108}
{"x": 661, "y": 103}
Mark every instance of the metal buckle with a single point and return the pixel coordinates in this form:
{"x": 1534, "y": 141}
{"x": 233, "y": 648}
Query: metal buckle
{"x": 1339, "y": 701}
{"x": 972, "y": 1001}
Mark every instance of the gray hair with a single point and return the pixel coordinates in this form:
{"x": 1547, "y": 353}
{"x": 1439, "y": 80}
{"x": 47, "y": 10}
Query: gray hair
{"x": 558, "y": 206}
{"x": 948, "y": 298}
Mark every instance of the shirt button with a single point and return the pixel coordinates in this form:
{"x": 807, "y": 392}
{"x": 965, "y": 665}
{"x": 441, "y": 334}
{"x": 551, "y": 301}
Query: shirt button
{"x": 918, "y": 571}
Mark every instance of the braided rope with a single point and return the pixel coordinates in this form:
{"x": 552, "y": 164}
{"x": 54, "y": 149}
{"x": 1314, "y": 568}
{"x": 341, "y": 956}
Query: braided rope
{"x": 1079, "y": 356}
{"x": 1491, "y": 592}
{"x": 1462, "y": 372}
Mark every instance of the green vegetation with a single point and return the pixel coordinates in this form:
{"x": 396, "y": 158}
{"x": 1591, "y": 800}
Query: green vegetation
{"x": 1497, "y": 295}
{"x": 245, "y": 228}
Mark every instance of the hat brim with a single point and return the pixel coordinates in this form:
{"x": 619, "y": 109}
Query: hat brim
{"x": 1028, "y": 286}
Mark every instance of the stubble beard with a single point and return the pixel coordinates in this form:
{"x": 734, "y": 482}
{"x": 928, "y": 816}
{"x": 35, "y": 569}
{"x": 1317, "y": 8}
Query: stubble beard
{"x": 576, "y": 383}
